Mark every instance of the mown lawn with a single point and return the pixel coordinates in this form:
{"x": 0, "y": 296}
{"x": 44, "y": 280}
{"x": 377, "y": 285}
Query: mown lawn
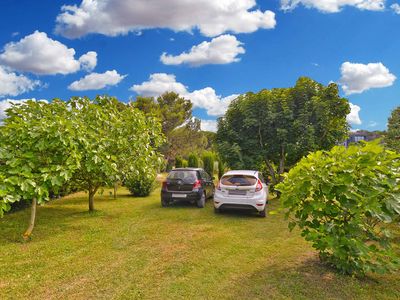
{"x": 131, "y": 248}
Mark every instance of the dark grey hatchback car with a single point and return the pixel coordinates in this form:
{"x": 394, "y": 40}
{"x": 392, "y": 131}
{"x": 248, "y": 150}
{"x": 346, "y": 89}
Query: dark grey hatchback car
{"x": 187, "y": 184}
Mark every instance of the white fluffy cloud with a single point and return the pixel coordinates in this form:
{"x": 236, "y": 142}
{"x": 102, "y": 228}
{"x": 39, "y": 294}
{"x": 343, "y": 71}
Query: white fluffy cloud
{"x": 88, "y": 61}
{"x": 205, "y": 98}
{"x": 97, "y": 81}
{"x": 353, "y": 117}
{"x": 159, "y": 83}
{"x": 12, "y": 84}
{"x": 39, "y": 54}
{"x": 220, "y": 50}
{"x": 209, "y": 125}
{"x": 396, "y": 8}
{"x": 357, "y": 78}
{"x": 114, "y": 17}
{"x": 6, "y": 103}
{"x": 333, "y": 6}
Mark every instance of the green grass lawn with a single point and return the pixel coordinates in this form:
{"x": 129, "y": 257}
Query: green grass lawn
{"x": 131, "y": 248}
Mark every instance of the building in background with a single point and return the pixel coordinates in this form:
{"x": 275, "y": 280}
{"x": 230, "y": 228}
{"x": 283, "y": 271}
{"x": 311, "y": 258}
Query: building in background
{"x": 362, "y": 135}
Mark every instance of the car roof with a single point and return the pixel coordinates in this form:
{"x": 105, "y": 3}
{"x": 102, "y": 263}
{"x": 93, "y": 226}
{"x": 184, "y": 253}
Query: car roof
{"x": 186, "y": 169}
{"x": 242, "y": 172}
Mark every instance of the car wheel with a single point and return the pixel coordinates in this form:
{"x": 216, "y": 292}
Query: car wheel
{"x": 202, "y": 201}
{"x": 164, "y": 203}
{"x": 217, "y": 210}
{"x": 262, "y": 213}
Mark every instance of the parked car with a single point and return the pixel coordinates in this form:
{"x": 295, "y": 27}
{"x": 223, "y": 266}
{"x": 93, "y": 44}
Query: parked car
{"x": 187, "y": 184}
{"x": 241, "y": 190}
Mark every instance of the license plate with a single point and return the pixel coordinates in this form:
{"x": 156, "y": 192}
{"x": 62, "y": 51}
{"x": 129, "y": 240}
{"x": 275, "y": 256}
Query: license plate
{"x": 178, "y": 195}
{"x": 237, "y": 192}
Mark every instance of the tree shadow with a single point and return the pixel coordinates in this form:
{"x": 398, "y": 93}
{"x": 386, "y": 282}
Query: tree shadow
{"x": 309, "y": 279}
{"x": 51, "y": 220}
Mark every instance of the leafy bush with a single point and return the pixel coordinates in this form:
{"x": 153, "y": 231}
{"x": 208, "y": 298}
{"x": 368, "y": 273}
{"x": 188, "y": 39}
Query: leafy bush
{"x": 184, "y": 163}
{"x": 178, "y": 162}
{"x": 221, "y": 168}
{"x": 141, "y": 185}
{"x": 344, "y": 200}
{"x": 193, "y": 161}
{"x": 208, "y": 162}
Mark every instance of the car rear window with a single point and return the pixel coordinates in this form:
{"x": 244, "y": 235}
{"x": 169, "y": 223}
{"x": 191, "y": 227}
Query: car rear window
{"x": 238, "y": 180}
{"x": 187, "y": 176}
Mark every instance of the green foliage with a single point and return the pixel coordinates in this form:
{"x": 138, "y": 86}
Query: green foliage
{"x": 117, "y": 141}
{"x": 344, "y": 200}
{"x": 193, "y": 161}
{"x": 170, "y": 108}
{"x": 186, "y": 139}
{"x": 208, "y": 162}
{"x": 185, "y": 163}
{"x": 142, "y": 184}
{"x": 221, "y": 168}
{"x": 88, "y": 143}
{"x": 210, "y": 140}
{"x": 178, "y": 162}
{"x": 280, "y": 126}
{"x": 392, "y": 138}
{"x": 38, "y": 151}
{"x": 183, "y": 132}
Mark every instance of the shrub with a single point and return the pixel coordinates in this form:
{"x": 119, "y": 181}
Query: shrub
{"x": 343, "y": 201}
{"x": 141, "y": 186}
{"x": 221, "y": 168}
{"x": 168, "y": 165}
{"x": 178, "y": 162}
{"x": 184, "y": 163}
{"x": 193, "y": 161}
{"x": 208, "y": 163}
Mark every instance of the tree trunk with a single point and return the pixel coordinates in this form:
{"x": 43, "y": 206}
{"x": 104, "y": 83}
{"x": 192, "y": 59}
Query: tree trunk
{"x": 115, "y": 189}
{"x": 91, "y": 201}
{"x": 271, "y": 171}
{"x": 28, "y": 232}
{"x": 282, "y": 163}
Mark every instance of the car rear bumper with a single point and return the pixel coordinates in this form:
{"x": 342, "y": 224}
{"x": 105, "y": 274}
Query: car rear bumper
{"x": 254, "y": 203}
{"x": 183, "y": 196}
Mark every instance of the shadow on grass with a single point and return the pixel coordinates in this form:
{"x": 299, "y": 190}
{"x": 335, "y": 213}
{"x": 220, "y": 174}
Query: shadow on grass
{"x": 237, "y": 213}
{"x": 309, "y": 279}
{"x": 51, "y": 220}
{"x": 82, "y": 199}
{"x": 181, "y": 205}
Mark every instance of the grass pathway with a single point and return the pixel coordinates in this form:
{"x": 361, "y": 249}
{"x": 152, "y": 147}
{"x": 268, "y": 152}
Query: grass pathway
{"x": 131, "y": 248}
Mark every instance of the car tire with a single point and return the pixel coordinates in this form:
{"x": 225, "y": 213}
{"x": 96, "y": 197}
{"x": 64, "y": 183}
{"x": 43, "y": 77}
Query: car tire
{"x": 217, "y": 210}
{"x": 262, "y": 213}
{"x": 164, "y": 203}
{"x": 202, "y": 201}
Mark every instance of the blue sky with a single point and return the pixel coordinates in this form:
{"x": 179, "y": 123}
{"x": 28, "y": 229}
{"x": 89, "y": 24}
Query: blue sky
{"x": 239, "y": 46}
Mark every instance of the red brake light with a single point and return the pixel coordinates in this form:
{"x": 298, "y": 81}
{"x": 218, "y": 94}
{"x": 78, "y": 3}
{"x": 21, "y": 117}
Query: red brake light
{"x": 197, "y": 184}
{"x": 259, "y": 186}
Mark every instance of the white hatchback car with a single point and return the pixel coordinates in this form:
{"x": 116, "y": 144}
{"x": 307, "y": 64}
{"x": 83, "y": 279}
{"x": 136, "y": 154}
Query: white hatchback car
{"x": 241, "y": 189}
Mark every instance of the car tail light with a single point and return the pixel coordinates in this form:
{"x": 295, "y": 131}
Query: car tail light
{"x": 259, "y": 186}
{"x": 219, "y": 186}
{"x": 164, "y": 185}
{"x": 197, "y": 184}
